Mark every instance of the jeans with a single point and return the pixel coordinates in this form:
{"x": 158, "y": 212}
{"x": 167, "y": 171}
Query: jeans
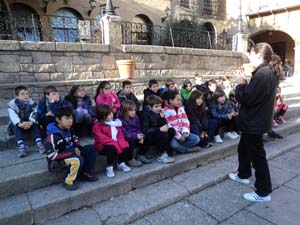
{"x": 251, "y": 151}
{"x": 81, "y": 117}
{"x": 212, "y": 126}
{"x": 189, "y": 142}
{"x": 19, "y": 132}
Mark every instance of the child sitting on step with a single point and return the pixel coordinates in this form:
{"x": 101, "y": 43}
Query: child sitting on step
{"x": 280, "y": 108}
{"x": 63, "y": 145}
{"x": 131, "y": 129}
{"x": 184, "y": 141}
{"x": 110, "y": 140}
{"x": 23, "y": 118}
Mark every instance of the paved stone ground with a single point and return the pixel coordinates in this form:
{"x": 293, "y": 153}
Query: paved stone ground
{"x": 223, "y": 203}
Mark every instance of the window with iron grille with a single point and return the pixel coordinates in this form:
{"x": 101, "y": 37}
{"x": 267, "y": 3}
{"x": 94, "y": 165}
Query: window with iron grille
{"x": 185, "y": 3}
{"x": 210, "y": 7}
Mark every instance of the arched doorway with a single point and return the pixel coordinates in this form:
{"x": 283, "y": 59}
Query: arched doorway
{"x": 211, "y": 35}
{"x": 282, "y": 44}
{"x": 142, "y": 30}
{"x": 65, "y": 25}
{"x": 25, "y": 23}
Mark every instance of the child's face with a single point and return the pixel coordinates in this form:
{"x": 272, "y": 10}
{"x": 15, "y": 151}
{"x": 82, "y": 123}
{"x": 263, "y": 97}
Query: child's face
{"x": 132, "y": 113}
{"x": 110, "y": 117}
{"x": 212, "y": 87}
{"x": 65, "y": 122}
{"x": 172, "y": 87}
{"x": 80, "y": 93}
{"x": 107, "y": 89}
{"x": 53, "y": 97}
{"x": 127, "y": 89}
{"x": 156, "y": 108}
{"x": 23, "y": 96}
{"x": 176, "y": 102}
{"x": 154, "y": 88}
{"x": 221, "y": 99}
{"x": 189, "y": 87}
{"x": 199, "y": 101}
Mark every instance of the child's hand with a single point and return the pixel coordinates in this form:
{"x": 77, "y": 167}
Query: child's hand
{"x": 229, "y": 116}
{"x": 182, "y": 139}
{"x": 49, "y": 114}
{"x": 164, "y": 128}
{"x": 21, "y": 125}
{"x": 141, "y": 141}
{"x": 140, "y": 136}
{"x": 203, "y": 135}
{"x": 185, "y": 134}
{"x": 77, "y": 151}
{"x": 27, "y": 125}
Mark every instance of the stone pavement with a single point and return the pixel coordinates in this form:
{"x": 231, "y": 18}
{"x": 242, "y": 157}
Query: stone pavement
{"x": 223, "y": 203}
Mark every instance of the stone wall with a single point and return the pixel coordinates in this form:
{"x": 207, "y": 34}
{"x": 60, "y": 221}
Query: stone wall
{"x": 39, "y": 64}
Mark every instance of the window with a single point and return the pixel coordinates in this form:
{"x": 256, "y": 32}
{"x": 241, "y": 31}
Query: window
{"x": 65, "y": 26}
{"x": 185, "y": 3}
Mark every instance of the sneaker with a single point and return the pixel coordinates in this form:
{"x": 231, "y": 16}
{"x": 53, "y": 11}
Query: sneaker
{"x": 229, "y": 135}
{"x": 22, "y": 151}
{"x": 281, "y": 119}
{"x": 89, "y": 176}
{"x": 40, "y": 148}
{"x": 235, "y": 134}
{"x": 253, "y": 197}
{"x": 143, "y": 159}
{"x": 134, "y": 163}
{"x": 235, "y": 177}
{"x": 273, "y": 134}
{"x": 165, "y": 158}
{"x": 274, "y": 124}
{"x": 194, "y": 149}
{"x": 70, "y": 187}
{"x": 122, "y": 166}
{"x": 218, "y": 139}
{"x": 110, "y": 171}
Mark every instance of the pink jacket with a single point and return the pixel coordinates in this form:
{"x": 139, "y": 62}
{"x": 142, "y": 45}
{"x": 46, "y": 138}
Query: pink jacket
{"x": 280, "y": 105}
{"x": 102, "y": 134}
{"x": 177, "y": 120}
{"x": 110, "y": 99}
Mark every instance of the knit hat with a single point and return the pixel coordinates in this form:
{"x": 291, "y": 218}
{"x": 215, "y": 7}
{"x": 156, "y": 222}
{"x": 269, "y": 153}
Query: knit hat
{"x": 187, "y": 82}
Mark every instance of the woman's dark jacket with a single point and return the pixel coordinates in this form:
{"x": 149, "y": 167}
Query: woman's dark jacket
{"x": 195, "y": 117}
{"x": 257, "y": 101}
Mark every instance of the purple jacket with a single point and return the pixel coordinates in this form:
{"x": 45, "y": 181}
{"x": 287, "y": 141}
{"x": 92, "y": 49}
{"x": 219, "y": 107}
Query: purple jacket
{"x": 131, "y": 128}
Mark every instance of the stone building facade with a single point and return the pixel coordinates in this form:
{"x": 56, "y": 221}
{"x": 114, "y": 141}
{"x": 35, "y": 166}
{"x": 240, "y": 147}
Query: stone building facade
{"x": 275, "y": 22}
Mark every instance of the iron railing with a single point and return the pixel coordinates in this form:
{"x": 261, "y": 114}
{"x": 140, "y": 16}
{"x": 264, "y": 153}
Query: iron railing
{"x": 146, "y": 34}
{"x": 185, "y": 3}
{"x": 35, "y": 27}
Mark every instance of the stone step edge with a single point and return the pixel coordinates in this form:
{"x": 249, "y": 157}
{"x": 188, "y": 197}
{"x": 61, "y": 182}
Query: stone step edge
{"x": 90, "y": 194}
{"x": 218, "y": 171}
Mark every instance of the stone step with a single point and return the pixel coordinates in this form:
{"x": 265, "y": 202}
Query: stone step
{"x": 21, "y": 175}
{"x": 40, "y": 205}
{"x": 138, "y": 203}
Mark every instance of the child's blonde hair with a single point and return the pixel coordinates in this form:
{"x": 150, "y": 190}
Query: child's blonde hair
{"x": 126, "y": 106}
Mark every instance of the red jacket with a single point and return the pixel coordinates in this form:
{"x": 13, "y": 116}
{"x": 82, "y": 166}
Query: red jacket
{"x": 102, "y": 134}
{"x": 110, "y": 99}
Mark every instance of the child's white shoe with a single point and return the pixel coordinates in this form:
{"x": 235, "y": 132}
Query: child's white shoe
{"x": 230, "y": 135}
{"x": 218, "y": 139}
{"x": 122, "y": 166}
{"x": 110, "y": 171}
{"x": 253, "y": 197}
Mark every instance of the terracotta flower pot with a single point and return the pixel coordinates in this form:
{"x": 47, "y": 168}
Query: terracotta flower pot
{"x": 126, "y": 68}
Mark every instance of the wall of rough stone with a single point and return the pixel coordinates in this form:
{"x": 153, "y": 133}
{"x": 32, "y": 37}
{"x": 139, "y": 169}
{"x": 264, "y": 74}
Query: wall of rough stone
{"x": 39, "y": 64}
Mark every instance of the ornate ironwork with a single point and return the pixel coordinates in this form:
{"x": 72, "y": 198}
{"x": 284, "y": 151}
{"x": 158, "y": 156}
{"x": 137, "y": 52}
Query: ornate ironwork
{"x": 146, "y": 34}
{"x": 49, "y": 28}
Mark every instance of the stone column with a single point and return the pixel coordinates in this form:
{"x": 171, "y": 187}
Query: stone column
{"x": 112, "y": 30}
{"x": 242, "y": 42}
{"x": 297, "y": 58}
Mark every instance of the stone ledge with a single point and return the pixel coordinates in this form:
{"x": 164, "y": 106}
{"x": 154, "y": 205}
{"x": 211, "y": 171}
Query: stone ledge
{"x": 8, "y": 45}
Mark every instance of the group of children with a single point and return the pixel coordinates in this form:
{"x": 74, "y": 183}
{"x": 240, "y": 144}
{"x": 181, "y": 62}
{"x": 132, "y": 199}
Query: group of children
{"x": 170, "y": 119}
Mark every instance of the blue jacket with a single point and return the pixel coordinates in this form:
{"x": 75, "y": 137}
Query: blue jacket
{"x": 219, "y": 111}
{"x": 44, "y": 105}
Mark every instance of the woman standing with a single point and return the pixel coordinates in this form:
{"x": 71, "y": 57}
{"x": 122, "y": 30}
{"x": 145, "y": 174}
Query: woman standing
{"x": 255, "y": 118}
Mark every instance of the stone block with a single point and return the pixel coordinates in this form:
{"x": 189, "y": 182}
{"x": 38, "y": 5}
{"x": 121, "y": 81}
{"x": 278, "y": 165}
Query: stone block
{"x": 71, "y": 53}
{"x": 173, "y": 50}
{"x": 9, "y": 45}
{"x": 15, "y": 210}
{"x": 57, "y": 76}
{"x": 186, "y": 59}
{"x": 42, "y": 77}
{"x": 38, "y": 68}
{"x": 127, "y": 48}
{"x": 9, "y": 67}
{"x": 140, "y": 66}
{"x": 87, "y": 68}
{"x": 41, "y": 57}
{"x": 155, "y": 66}
{"x": 108, "y": 62}
{"x": 147, "y": 58}
{"x": 57, "y": 201}
{"x": 68, "y": 47}
{"x": 64, "y": 64}
{"x": 93, "y": 47}
{"x": 9, "y": 58}
{"x": 111, "y": 74}
{"x": 98, "y": 75}
{"x": 246, "y": 218}
{"x": 28, "y": 45}
{"x": 78, "y": 76}
{"x": 25, "y": 59}
{"x": 8, "y": 78}
{"x": 138, "y": 58}
{"x": 27, "y": 79}
{"x": 46, "y": 46}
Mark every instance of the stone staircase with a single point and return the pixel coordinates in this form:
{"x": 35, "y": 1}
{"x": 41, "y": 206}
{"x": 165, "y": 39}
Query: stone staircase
{"x": 29, "y": 194}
